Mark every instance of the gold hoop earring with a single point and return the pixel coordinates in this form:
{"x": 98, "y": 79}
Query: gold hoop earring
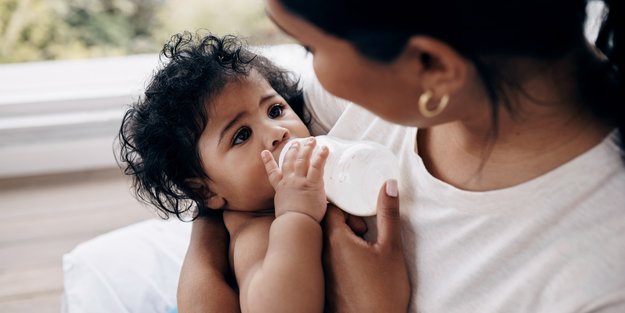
{"x": 423, "y": 104}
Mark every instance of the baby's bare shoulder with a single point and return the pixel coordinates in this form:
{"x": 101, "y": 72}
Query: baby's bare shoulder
{"x": 237, "y": 222}
{"x": 249, "y": 237}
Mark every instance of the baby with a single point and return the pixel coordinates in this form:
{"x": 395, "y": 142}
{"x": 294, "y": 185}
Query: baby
{"x": 205, "y": 137}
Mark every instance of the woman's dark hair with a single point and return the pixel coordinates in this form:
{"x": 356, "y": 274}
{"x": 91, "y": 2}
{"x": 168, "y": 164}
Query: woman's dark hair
{"x": 539, "y": 29}
{"x": 159, "y": 133}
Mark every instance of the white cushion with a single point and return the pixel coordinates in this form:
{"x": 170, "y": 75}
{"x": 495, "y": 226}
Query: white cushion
{"x": 132, "y": 269}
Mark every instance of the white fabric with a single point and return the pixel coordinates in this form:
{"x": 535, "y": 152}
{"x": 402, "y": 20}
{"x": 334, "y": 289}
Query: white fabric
{"x": 133, "y": 269}
{"x": 553, "y": 244}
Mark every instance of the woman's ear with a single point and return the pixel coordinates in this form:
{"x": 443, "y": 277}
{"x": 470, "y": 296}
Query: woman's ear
{"x": 430, "y": 64}
{"x": 211, "y": 199}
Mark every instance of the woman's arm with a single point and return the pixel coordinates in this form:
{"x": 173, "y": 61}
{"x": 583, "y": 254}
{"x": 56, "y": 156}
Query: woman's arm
{"x": 203, "y": 285}
{"x": 363, "y": 277}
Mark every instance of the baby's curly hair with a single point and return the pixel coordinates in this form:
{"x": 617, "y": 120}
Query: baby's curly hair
{"x": 159, "y": 133}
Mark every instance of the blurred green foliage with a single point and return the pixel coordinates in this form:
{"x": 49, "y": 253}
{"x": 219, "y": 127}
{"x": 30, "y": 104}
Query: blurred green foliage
{"x": 66, "y": 29}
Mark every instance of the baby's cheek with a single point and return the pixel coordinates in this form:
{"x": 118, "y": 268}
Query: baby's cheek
{"x": 263, "y": 192}
{"x": 303, "y": 131}
{"x": 265, "y": 199}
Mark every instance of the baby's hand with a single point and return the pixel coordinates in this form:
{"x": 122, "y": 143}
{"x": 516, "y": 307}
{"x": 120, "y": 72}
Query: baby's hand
{"x": 299, "y": 183}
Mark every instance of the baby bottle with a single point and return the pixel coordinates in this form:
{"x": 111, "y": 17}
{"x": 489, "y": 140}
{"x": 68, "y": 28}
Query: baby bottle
{"x": 354, "y": 172}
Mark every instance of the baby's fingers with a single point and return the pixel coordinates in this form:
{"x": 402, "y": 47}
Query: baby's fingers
{"x": 288, "y": 163}
{"x": 303, "y": 159}
{"x": 271, "y": 167}
{"x": 315, "y": 172}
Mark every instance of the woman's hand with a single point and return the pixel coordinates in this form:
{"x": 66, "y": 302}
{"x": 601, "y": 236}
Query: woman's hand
{"x": 299, "y": 183}
{"x": 203, "y": 285}
{"x": 361, "y": 276}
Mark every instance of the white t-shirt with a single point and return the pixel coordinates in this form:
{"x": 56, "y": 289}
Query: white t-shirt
{"x": 553, "y": 244}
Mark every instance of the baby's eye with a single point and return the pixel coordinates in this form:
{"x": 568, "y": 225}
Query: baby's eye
{"x": 241, "y": 136}
{"x": 275, "y": 111}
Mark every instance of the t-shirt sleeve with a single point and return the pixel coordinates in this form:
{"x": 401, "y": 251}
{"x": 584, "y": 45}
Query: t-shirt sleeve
{"x": 323, "y": 107}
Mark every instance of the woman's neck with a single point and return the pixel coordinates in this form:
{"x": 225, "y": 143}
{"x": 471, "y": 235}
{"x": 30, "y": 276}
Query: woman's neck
{"x": 534, "y": 140}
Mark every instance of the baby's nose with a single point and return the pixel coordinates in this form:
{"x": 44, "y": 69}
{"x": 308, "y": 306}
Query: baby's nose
{"x": 281, "y": 135}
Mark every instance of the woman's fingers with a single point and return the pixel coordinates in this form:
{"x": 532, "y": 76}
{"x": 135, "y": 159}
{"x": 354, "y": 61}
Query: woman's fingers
{"x": 337, "y": 230}
{"x": 357, "y": 224}
{"x": 271, "y": 167}
{"x": 388, "y": 218}
{"x": 363, "y": 277}
{"x": 334, "y": 221}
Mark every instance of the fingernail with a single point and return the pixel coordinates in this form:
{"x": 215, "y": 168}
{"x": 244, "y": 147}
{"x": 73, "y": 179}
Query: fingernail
{"x": 391, "y": 188}
{"x": 264, "y": 155}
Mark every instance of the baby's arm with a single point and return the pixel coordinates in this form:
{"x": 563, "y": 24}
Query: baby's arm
{"x": 278, "y": 265}
{"x": 289, "y": 278}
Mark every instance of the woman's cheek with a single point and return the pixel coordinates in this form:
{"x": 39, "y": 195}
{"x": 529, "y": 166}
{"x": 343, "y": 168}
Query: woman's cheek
{"x": 331, "y": 81}
{"x": 325, "y": 74}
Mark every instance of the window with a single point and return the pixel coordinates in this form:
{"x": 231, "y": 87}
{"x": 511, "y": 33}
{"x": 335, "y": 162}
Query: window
{"x": 87, "y": 60}
{"x": 32, "y": 30}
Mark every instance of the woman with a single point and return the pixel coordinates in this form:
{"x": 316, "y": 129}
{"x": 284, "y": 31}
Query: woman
{"x": 511, "y": 197}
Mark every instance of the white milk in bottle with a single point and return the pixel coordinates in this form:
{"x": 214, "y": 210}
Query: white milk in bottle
{"x": 354, "y": 172}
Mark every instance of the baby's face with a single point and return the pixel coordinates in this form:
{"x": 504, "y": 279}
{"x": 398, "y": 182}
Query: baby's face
{"x": 247, "y": 117}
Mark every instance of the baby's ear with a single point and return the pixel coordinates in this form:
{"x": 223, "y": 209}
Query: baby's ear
{"x": 211, "y": 199}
